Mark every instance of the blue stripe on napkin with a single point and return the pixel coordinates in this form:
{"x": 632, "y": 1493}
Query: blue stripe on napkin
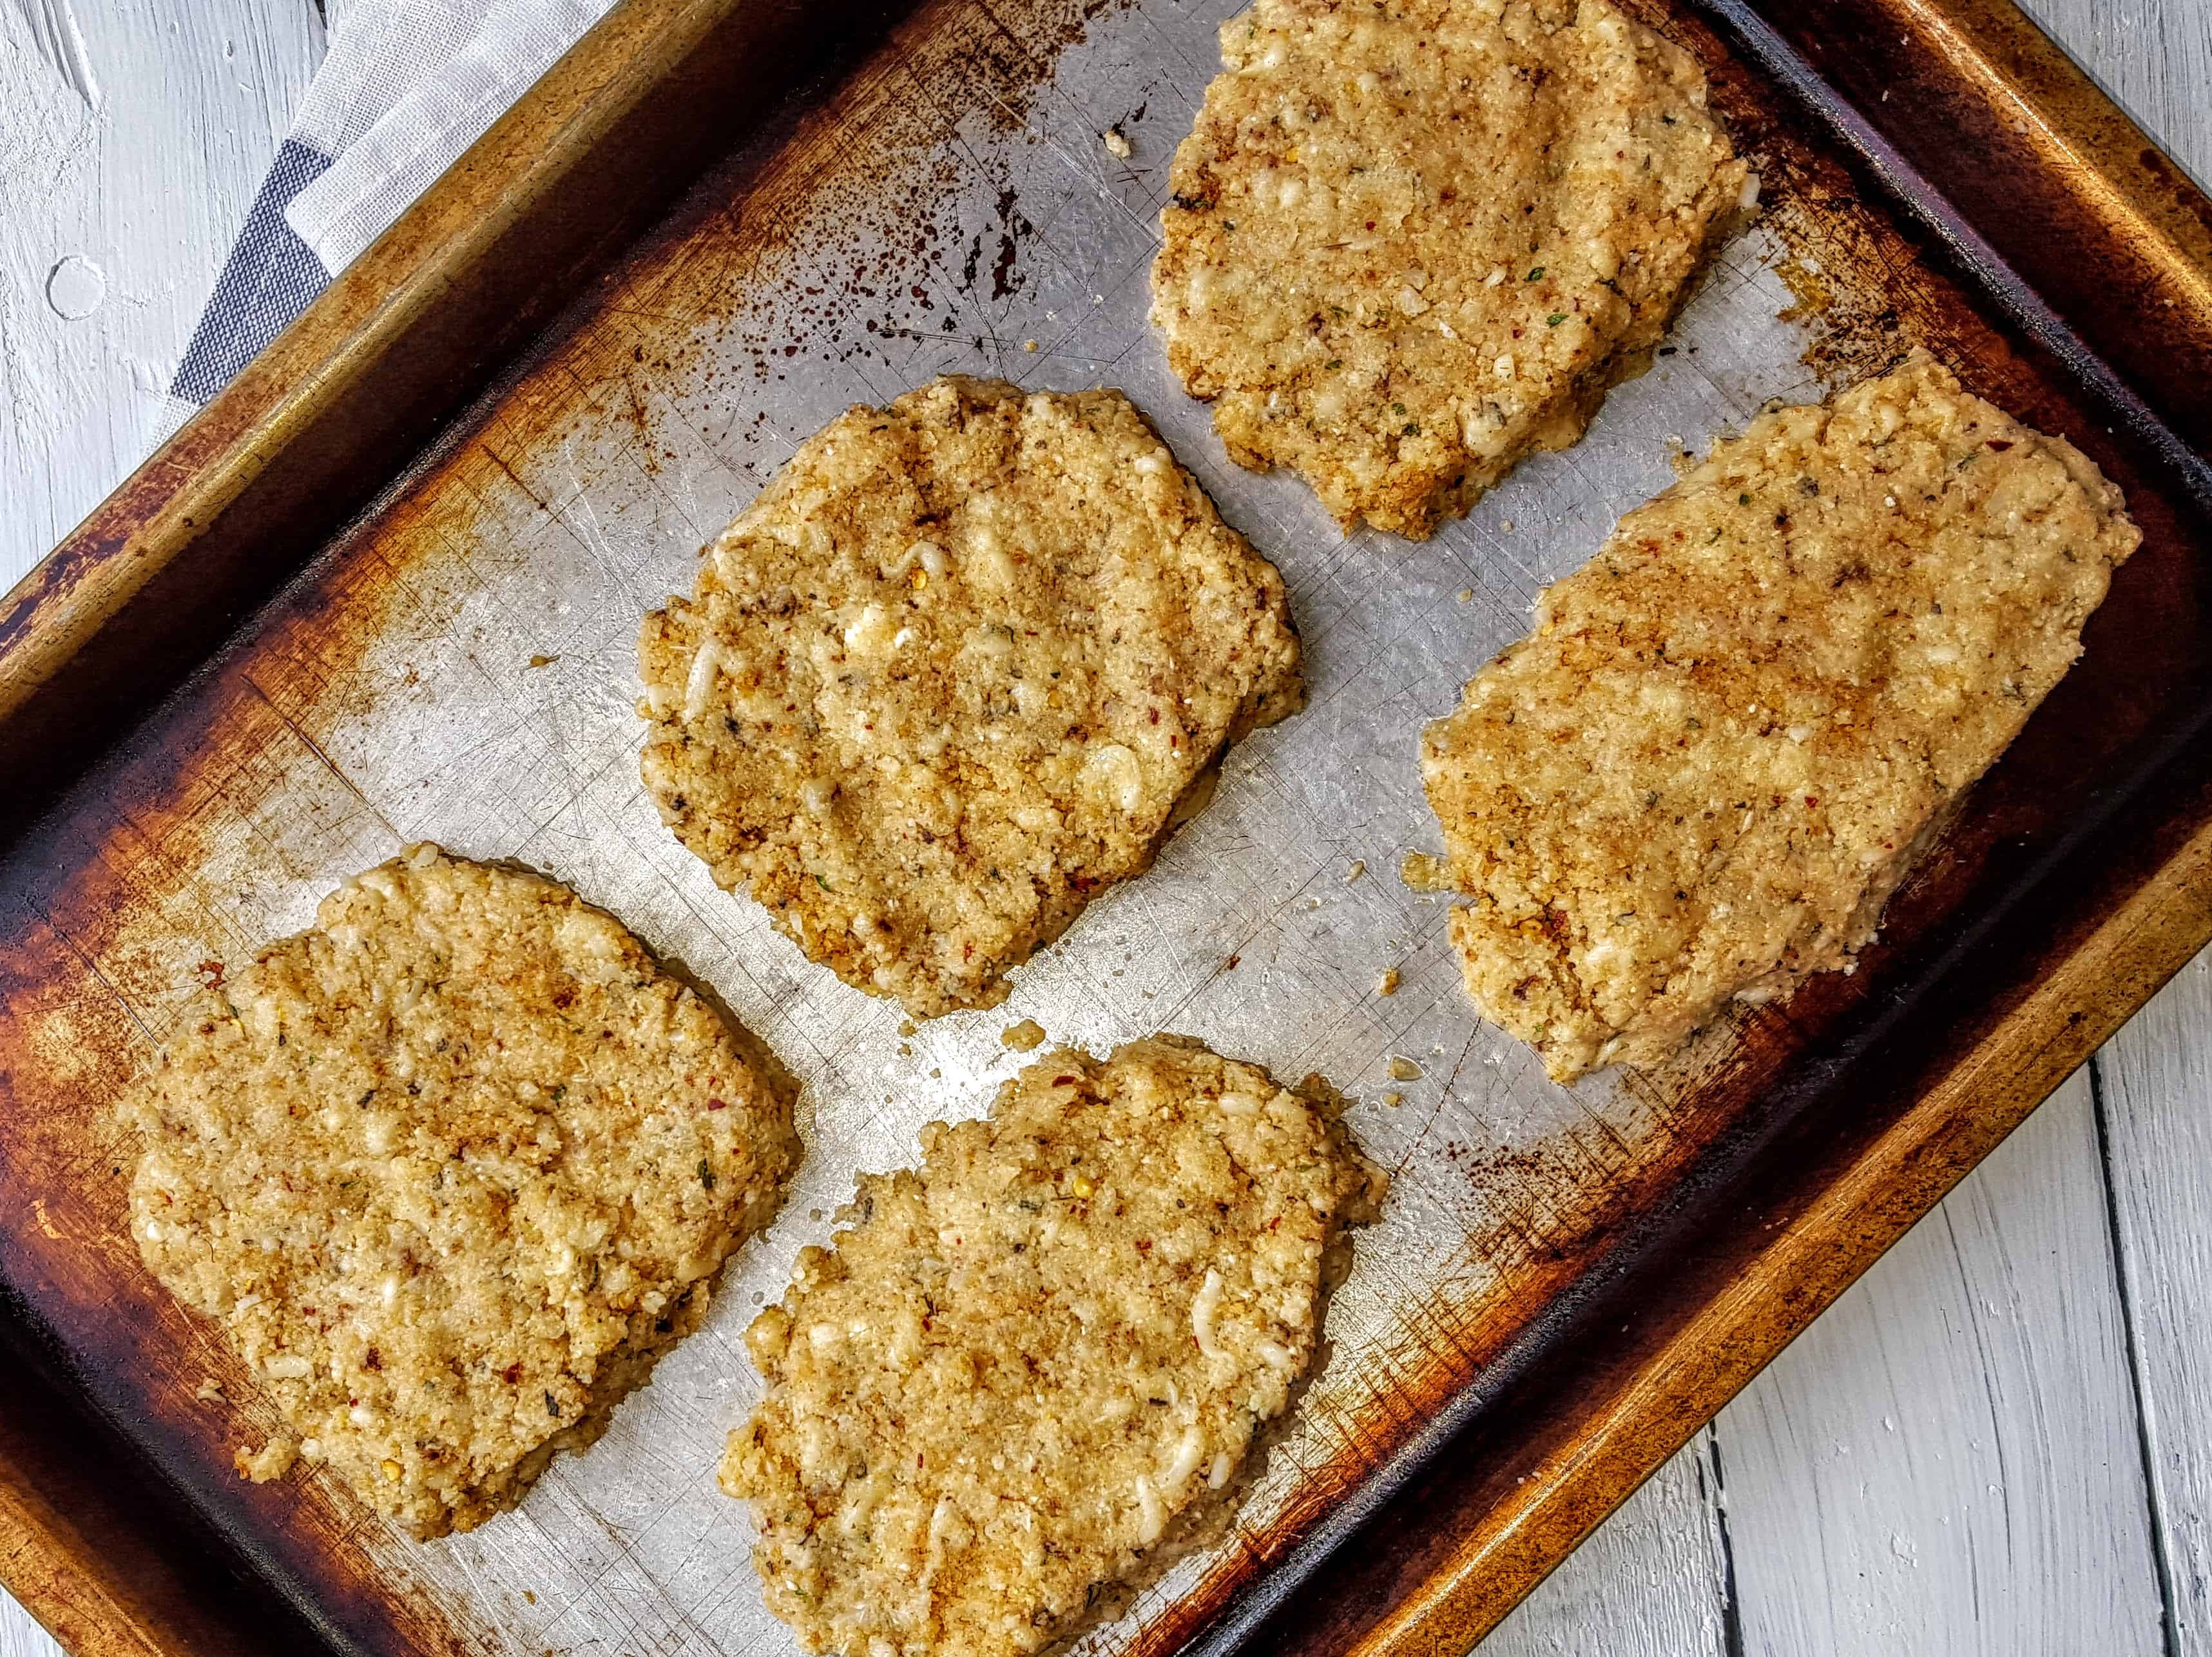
{"x": 268, "y": 280}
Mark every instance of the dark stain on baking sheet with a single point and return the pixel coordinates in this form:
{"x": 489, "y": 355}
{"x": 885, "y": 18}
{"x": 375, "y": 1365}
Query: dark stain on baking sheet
{"x": 155, "y": 873}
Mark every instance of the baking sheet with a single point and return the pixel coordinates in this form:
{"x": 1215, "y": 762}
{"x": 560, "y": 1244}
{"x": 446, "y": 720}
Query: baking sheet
{"x": 950, "y": 212}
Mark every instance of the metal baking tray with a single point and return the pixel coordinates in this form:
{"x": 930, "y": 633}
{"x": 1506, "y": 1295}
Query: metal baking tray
{"x": 385, "y": 587}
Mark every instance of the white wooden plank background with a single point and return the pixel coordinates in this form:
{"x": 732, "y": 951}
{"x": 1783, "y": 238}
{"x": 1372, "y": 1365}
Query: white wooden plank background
{"x": 1996, "y": 1443}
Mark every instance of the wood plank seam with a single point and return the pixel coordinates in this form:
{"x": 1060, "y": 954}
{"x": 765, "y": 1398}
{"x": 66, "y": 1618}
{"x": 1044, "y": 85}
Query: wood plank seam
{"x": 2122, "y": 1277}
{"x": 1731, "y": 1592}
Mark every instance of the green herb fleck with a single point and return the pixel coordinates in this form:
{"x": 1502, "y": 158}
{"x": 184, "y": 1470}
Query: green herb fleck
{"x": 706, "y": 1174}
{"x": 1743, "y": 500}
{"x": 1412, "y": 428}
{"x": 1536, "y": 275}
{"x": 1555, "y": 318}
{"x": 1333, "y": 362}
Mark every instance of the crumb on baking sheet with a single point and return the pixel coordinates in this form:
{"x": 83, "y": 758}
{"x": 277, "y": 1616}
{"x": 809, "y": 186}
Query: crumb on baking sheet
{"x": 1422, "y": 871}
{"x": 271, "y": 1462}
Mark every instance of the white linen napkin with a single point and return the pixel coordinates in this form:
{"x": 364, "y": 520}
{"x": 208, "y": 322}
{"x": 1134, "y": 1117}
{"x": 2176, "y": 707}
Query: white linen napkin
{"x": 406, "y": 86}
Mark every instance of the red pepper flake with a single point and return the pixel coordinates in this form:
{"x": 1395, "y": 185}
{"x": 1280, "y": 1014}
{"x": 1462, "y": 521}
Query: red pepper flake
{"x": 512, "y": 1373}
{"x": 1812, "y": 799}
{"x": 2000, "y": 444}
{"x": 718, "y": 1103}
{"x": 372, "y": 1359}
{"x": 1229, "y": 966}
{"x": 1063, "y": 1082}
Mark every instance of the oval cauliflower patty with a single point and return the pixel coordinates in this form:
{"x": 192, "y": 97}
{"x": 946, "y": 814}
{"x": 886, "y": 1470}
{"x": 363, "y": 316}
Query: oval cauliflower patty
{"x": 1408, "y": 242}
{"x": 1734, "y": 729}
{"x": 449, "y": 1170}
{"x": 950, "y": 676}
{"x": 1038, "y": 1362}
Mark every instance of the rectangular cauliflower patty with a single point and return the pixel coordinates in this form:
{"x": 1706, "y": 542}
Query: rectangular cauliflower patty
{"x": 1038, "y": 1362}
{"x": 1734, "y": 730}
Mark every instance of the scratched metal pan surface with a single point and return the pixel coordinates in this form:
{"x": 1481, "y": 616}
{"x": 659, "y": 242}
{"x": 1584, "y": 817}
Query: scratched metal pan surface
{"x": 459, "y": 667}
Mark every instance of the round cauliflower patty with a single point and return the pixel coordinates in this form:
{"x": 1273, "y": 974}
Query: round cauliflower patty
{"x": 1036, "y": 1364}
{"x": 1409, "y": 242}
{"x": 448, "y": 1170}
{"x": 952, "y": 674}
